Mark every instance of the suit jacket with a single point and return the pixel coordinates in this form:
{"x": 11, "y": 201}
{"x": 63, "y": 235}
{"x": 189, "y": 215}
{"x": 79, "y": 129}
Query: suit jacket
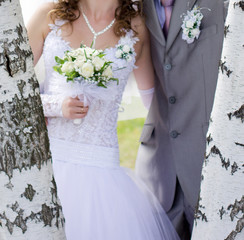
{"x": 173, "y": 137}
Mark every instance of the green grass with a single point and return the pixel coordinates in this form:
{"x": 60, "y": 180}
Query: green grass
{"x": 129, "y": 132}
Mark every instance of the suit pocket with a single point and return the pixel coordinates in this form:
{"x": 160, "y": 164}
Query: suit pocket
{"x": 147, "y": 132}
{"x": 207, "y": 32}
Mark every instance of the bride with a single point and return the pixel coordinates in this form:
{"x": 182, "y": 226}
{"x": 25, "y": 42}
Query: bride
{"x": 100, "y": 200}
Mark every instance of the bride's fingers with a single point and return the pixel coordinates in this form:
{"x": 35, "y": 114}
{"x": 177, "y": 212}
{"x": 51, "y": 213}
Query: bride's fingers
{"x": 78, "y": 115}
{"x": 80, "y": 109}
{"x": 80, "y": 104}
{"x": 74, "y": 102}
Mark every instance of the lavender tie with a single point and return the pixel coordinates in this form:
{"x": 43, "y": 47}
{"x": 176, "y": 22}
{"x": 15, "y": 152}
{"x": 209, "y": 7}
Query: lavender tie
{"x": 168, "y": 7}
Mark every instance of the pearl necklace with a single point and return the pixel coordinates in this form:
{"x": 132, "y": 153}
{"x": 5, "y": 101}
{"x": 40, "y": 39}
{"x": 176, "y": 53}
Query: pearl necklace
{"x": 95, "y": 34}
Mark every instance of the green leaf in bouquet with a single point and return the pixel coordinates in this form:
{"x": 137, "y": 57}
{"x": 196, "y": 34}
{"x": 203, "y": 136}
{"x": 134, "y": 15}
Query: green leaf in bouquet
{"x": 115, "y": 79}
{"x": 85, "y": 55}
{"x": 69, "y": 79}
{"x": 74, "y": 74}
{"x": 100, "y": 55}
{"x": 92, "y": 44}
{"x": 100, "y": 84}
{"x": 58, "y": 69}
{"x": 105, "y": 65}
{"x": 59, "y": 60}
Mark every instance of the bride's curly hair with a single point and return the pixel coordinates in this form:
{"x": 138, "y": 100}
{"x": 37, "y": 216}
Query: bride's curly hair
{"x": 124, "y": 13}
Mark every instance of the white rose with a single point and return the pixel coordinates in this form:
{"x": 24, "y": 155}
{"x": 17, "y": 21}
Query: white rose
{"x": 87, "y": 70}
{"x": 89, "y": 51}
{"x": 189, "y": 24}
{"x": 80, "y": 60}
{"x": 77, "y": 52}
{"x": 96, "y": 52}
{"x": 195, "y": 32}
{"x": 126, "y": 48}
{"x": 186, "y": 31}
{"x": 98, "y": 63}
{"x": 108, "y": 72}
{"x": 129, "y": 58}
{"x": 67, "y": 67}
{"x": 118, "y": 53}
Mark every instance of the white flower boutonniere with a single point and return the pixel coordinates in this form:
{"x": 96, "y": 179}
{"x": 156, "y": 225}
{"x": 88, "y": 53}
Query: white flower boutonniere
{"x": 124, "y": 52}
{"x": 191, "y": 24}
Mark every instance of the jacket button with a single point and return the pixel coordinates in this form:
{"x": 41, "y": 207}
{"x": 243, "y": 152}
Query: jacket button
{"x": 172, "y": 100}
{"x": 168, "y": 67}
{"x": 174, "y": 134}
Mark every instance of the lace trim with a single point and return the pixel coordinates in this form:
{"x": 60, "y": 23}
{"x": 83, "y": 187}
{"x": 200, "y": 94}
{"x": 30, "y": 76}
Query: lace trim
{"x": 52, "y": 105}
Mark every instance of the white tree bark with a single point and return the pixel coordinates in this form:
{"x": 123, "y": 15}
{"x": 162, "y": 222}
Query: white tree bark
{"x": 220, "y": 214}
{"x": 29, "y": 208}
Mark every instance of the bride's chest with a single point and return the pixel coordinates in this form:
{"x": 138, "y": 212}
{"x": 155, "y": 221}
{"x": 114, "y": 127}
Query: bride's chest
{"x": 122, "y": 55}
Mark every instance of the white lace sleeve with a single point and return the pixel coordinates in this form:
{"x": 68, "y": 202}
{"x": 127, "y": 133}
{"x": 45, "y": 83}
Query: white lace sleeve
{"x": 52, "y": 105}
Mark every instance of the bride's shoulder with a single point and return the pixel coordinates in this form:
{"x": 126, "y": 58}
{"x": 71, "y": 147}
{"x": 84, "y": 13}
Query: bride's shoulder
{"x": 41, "y": 18}
{"x": 43, "y": 11}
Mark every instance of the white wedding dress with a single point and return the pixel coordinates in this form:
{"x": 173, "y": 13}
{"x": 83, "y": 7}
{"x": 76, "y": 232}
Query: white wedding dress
{"x": 100, "y": 200}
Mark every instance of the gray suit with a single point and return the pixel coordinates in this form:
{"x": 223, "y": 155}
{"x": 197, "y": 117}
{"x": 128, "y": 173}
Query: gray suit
{"x": 173, "y": 138}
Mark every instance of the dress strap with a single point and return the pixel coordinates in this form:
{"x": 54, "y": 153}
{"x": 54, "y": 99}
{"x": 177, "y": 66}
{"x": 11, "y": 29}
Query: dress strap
{"x": 57, "y": 24}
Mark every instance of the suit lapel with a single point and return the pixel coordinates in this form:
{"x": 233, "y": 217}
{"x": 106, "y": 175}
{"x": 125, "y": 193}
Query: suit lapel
{"x": 180, "y": 7}
{"x": 153, "y": 23}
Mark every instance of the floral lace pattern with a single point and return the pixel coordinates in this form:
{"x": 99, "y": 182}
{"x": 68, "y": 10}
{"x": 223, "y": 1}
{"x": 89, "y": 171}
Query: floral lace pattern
{"x": 99, "y": 126}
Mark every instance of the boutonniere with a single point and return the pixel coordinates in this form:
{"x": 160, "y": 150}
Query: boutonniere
{"x": 191, "y": 24}
{"x": 124, "y": 52}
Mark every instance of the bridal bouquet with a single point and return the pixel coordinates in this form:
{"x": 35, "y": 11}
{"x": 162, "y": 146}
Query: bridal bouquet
{"x": 88, "y": 75}
{"x": 85, "y": 64}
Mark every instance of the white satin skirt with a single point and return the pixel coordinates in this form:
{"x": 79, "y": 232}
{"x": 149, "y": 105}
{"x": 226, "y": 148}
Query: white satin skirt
{"x": 100, "y": 200}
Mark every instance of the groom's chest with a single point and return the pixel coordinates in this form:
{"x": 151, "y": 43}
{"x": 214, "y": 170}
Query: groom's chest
{"x": 213, "y": 15}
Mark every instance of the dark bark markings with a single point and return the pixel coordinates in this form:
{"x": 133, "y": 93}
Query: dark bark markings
{"x": 1, "y": 1}
{"x": 225, "y": 69}
{"x": 29, "y": 192}
{"x": 214, "y": 150}
{"x": 239, "y": 144}
{"x": 236, "y": 208}
{"x": 226, "y": 30}
{"x": 46, "y": 215}
{"x": 199, "y": 214}
{"x": 13, "y": 57}
{"x": 238, "y": 114}
{"x": 240, "y": 4}
{"x": 20, "y": 141}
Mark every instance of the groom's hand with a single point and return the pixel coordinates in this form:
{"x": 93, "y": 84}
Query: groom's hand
{"x": 73, "y": 108}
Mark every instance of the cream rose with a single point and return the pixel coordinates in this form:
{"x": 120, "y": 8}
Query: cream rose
{"x": 129, "y": 58}
{"x": 195, "y": 32}
{"x": 98, "y": 63}
{"x": 67, "y": 67}
{"x": 79, "y": 61}
{"x": 126, "y": 48}
{"x": 189, "y": 24}
{"x": 118, "y": 53}
{"x": 108, "y": 72}
{"x": 87, "y": 70}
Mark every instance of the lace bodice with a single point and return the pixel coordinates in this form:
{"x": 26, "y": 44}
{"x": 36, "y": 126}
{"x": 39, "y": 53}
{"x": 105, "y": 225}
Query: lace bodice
{"x": 99, "y": 126}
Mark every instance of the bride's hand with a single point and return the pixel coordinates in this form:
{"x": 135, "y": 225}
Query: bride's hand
{"x": 73, "y": 108}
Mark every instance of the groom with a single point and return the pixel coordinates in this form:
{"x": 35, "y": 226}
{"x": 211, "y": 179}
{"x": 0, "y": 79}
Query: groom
{"x": 173, "y": 139}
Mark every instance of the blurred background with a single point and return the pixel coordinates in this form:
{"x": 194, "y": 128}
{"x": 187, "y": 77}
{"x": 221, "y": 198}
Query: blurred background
{"x": 132, "y": 113}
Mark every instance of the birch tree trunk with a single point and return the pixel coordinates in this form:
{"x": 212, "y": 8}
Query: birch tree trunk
{"x": 220, "y": 214}
{"x": 29, "y": 208}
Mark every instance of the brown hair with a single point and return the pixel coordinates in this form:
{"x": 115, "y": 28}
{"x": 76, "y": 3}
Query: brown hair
{"x": 124, "y": 13}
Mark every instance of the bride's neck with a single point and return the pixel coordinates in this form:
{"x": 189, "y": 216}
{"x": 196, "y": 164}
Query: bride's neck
{"x": 98, "y": 9}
